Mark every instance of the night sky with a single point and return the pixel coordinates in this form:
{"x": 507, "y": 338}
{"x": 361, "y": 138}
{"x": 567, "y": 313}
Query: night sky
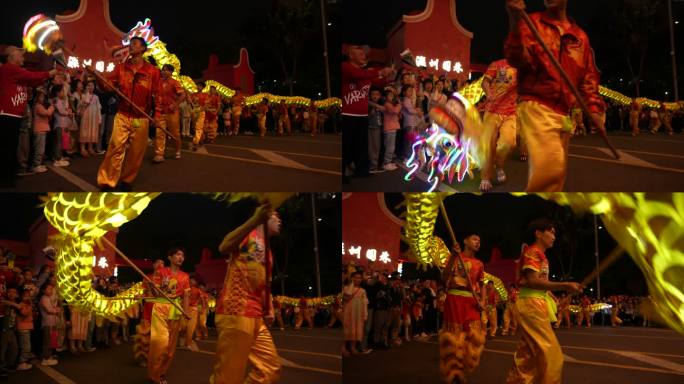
{"x": 194, "y": 30}
{"x": 370, "y": 21}
{"x": 195, "y": 222}
{"x": 501, "y": 220}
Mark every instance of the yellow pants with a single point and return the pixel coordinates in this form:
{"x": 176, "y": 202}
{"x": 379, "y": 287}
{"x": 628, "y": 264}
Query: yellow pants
{"x": 202, "y": 324}
{"x": 563, "y": 316}
{"x": 302, "y": 316}
{"x": 199, "y": 128}
{"x": 500, "y": 136}
{"x": 634, "y": 122}
{"x": 212, "y": 129}
{"x": 163, "y": 338}
{"x": 460, "y": 350}
{"x": 584, "y": 316}
{"x": 242, "y": 339}
{"x": 236, "y": 120}
{"x": 538, "y": 358}
{"x": 284, "y": 121}
{"x": 509, "y": 319}
{"x": 261, "y": 120}
{"x": 125, "y": 152}
{"x": 614, "y": 319}
{"x": 542, "y": 131}
{"x": 491, "y": 319}
{"x": 190, "y": 325}
{"x": 170, "y": 122}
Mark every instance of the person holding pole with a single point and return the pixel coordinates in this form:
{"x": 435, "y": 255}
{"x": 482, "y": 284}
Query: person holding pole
{"x": 538, "y": 358}
{"x": 139, "y": 81}
{"x": 535, "y": 45}
{"x": 165, "y": 318}
{"x": 244, "y": 308}
{"x": 464, "y": 281}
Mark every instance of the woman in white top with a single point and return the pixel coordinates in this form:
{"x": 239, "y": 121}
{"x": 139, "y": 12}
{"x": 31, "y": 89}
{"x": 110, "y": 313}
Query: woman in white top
{"x": 91, "y": 117}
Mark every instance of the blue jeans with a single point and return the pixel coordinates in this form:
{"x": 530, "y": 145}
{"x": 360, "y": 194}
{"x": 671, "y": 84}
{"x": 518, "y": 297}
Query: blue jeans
{"x": 390, "y": 140}
{"x": 38, "y": 148}
{"x": 24, "y": 346}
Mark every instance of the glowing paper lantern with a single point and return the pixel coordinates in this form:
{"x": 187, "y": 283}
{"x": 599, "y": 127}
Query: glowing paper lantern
{"x": 40, "y": 33}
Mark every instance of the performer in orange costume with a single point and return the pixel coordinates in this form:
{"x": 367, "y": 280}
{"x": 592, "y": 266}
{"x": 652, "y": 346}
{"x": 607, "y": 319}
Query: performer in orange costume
{"x": 634, "y": 112}
{"x": 262, "y": 112}
{"x": 284, "y": 119}
{"x": 189, "y": 325}
{"x": 244, "y": 307}
{"x": 238, "y": 102}
{"x": 490, "y": 310}
{"x": 201, "y": 124}
{"x": 538, "y": 358}
{"x": 509, "y": 318}
{"x": 500, "y": 120}
{"x": 139, "y": 80}
{"x": 203, "y": 308}
{"x": 614, "y": 309}
{"x": 165, "y": 318}
{"x": 141, "y": 342}
{"x": 213, "y": 105}
{"x": 172, "y": 94}
{"x": 545, "y": 100}
{"x": 462, "y": 336}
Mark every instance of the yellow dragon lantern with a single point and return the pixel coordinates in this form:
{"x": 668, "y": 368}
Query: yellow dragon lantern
{"x": 82, "y": 219}
{"x": 650, "y": 227}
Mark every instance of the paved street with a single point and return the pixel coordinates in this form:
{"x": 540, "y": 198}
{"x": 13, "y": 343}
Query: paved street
{"x": 628, "y": 355}
{"x": 649, "y": 163}
{"x": 289, "y": 163}
{"x": 307, "y": 357}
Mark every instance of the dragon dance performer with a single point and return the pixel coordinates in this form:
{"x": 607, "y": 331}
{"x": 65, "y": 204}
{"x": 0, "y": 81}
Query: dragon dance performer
{"x": 213, "y": 106}
{"x": 244, "y": 307}
{"x": 141, "y": 342}
{"x": 510, "y": 321}
{"x": 538, "y": 358}
{"x": 189, "y": 325}
{"x": 614, "y": 309}
{"x": 500, "y": 120}
{"x": 278, "y": 313}
{"x": 462, "y": 337}
{"x": 262, "y": 113}
{"x": 201, "y": 100}
{"x": 585, "y": 312}
{"x": 139, "y": 80}
{"x": 563, "y": 311}
{"x": 165, "y": 318}
{"x": 203, "y": 309}
{"x": 172, "y": 95}
{"x": 545, "y": 101}
{"x": 490, "y": 311}
{"x": 237, "y": 102}
{"x": 634, "y": 112}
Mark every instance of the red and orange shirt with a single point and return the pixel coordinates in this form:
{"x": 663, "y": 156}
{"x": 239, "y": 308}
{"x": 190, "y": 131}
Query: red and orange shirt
{"x": 139, "y": 83}
{"x": 195, "y": 296}
{"x": 491, "y": 297}
{"x": 475, "y": 271}
{"x": 173, "y": 284}
{"x": 513, "y": 294}
{"x": 170, "y": 90}
{"x": 213, "y": 104}
{"x": 245, "y": 286}
{"x": 533, "y": 258}
{"x": 503, "y": 85}
{"x": 538, "y": 79}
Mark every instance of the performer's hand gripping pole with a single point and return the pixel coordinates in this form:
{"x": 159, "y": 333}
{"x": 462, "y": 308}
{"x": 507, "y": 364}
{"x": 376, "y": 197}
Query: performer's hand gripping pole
{"x": 445, "y": 216}
{"x": 120, "y": 94}
{"x": 568, "y": 82}
{"x": 144, "y": 276}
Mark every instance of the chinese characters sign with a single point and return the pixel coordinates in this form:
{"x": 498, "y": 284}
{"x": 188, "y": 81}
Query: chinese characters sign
{"x": 439, "y": 64}
{"x": 370, "y": 254}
